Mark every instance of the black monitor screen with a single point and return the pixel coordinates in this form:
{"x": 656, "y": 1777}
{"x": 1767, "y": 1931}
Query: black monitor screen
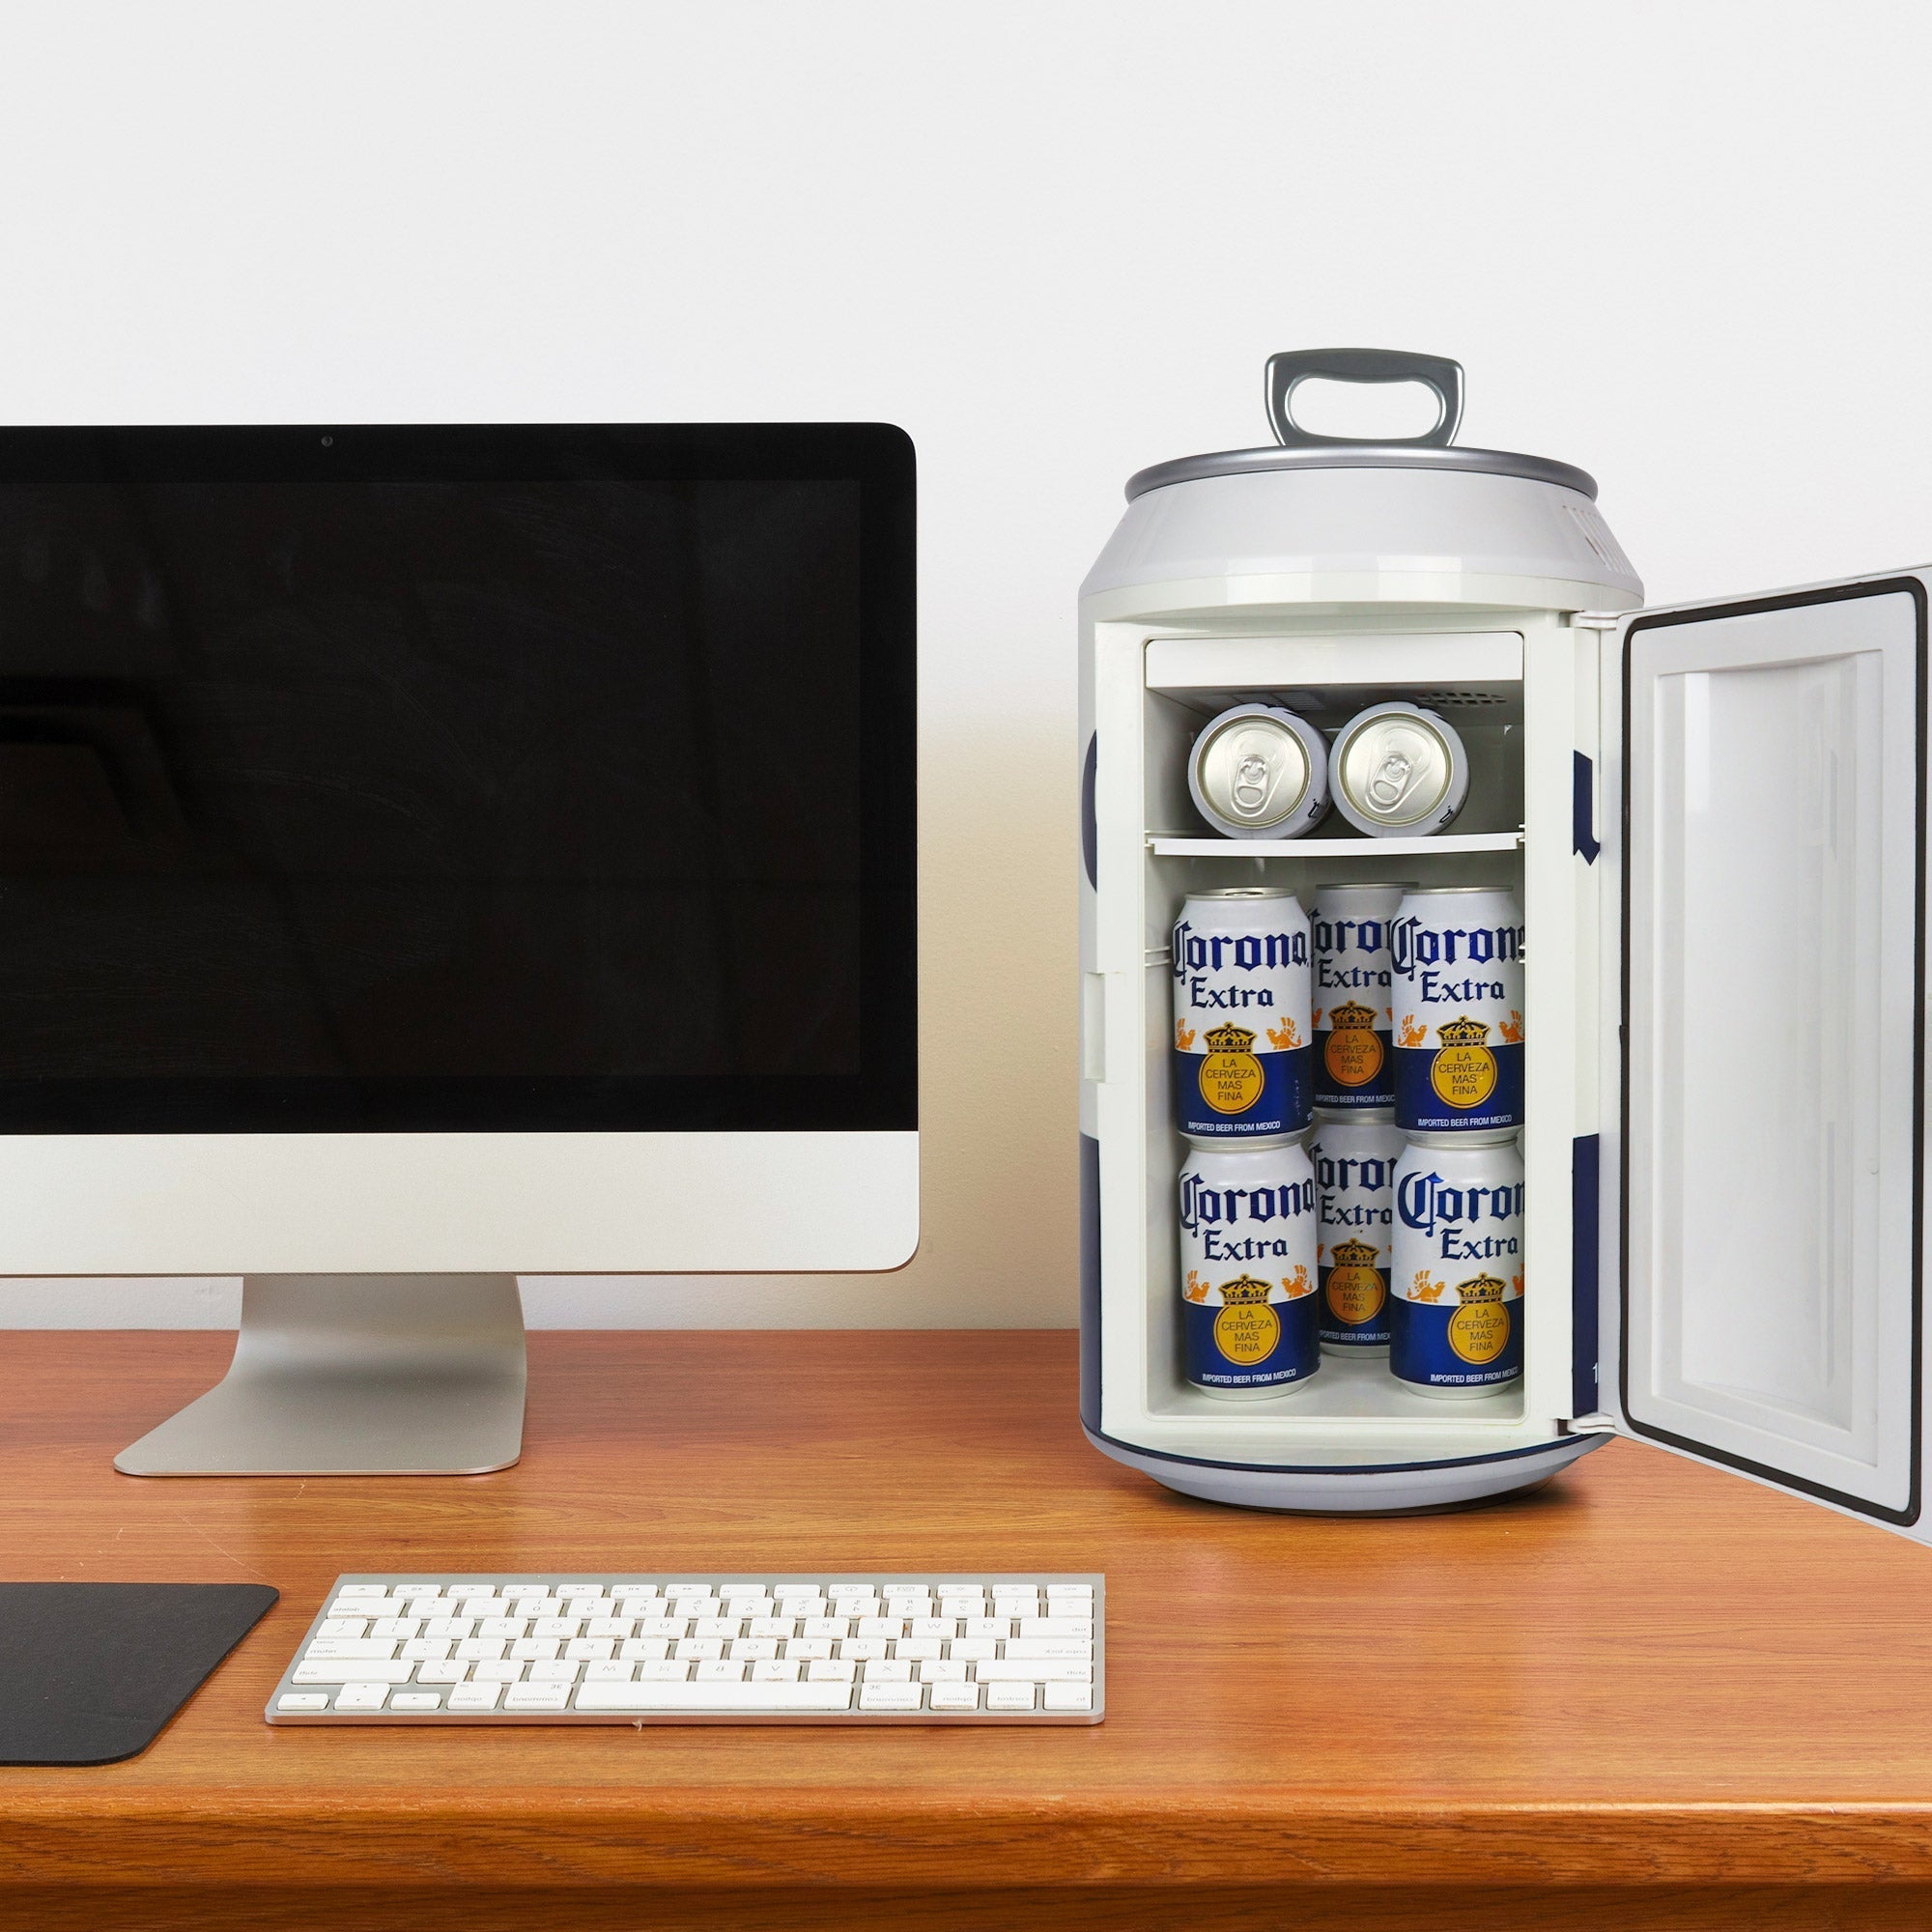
{"x": 456, "y": 779}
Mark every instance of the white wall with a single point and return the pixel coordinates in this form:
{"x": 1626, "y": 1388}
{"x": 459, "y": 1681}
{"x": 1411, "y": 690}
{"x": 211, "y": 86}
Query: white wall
{"x": 1685, "y": 246}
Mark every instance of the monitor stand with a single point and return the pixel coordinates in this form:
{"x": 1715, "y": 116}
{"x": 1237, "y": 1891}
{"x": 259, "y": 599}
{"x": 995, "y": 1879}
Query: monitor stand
{"x": 356, "y": 1374}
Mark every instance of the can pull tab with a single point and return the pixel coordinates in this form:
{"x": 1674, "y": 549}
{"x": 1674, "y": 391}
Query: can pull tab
{"x": 1290, "y": 368}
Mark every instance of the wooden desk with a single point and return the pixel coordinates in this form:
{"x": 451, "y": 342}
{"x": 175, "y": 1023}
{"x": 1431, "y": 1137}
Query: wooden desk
{"x": 1650, "y": 1696}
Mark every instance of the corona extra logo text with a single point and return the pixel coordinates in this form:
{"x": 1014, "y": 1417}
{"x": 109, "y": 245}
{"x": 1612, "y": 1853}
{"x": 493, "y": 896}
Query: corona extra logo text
{"x": 1453, "y": 1214}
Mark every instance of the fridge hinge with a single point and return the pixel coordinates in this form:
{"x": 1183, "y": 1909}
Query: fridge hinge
{"x": 1595, "y": 1424}
{"x": 1597, "y": 620}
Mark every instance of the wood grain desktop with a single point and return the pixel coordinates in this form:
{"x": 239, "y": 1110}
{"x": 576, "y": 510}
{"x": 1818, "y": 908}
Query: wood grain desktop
{"x": 1651, "y": 1695}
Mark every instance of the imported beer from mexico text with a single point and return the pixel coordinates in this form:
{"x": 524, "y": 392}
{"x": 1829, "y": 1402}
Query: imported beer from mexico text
{"x": 1458, "y": 1267}
{"x": 1241, "y": 986}
{"x": 1247, "y": 1267}
{"x": 1456, "y": 966}
{"x": 1354, "y": 1189}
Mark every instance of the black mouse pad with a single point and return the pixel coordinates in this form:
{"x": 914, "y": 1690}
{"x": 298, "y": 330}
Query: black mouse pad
{"x": 90, "y": 1673}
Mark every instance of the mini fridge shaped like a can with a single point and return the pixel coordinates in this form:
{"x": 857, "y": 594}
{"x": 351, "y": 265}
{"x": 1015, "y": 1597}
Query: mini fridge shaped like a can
{"x": 1715, "y": 819}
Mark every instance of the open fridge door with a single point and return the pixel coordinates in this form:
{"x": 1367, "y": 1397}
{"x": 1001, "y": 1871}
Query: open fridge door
{"x": 1763, "y": 1211}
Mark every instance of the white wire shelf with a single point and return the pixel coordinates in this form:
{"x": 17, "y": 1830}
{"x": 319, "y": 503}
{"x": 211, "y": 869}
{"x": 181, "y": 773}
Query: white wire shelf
{"x": 1165, "y": 847}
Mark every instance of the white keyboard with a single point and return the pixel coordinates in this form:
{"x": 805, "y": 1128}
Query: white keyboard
{"x": 756, "y": 1649}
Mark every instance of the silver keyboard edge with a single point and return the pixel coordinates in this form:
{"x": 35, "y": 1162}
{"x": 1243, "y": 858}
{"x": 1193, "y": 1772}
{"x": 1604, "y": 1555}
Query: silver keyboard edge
{"x": 849, "y": 1719}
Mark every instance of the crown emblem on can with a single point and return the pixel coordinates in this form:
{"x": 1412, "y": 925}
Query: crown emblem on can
{"x": 1355, "y": 1255}
{"x": 1248, "y": 1289}
{"x": 1352, "y": 1016}
{"x": 1481, "y": 1288}
{"x": 1464, "y": 1032}
{"x": 1230, "y": 1039}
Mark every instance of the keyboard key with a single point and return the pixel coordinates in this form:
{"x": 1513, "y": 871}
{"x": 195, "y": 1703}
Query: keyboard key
{"x": 834, "y": 1627}
{"x": 349, "y": 1670}
{"x": 664, "y": 1627}
{"x": 918, "y": 1648}
{"x": 396, "y": 1627}
{"x": 415, "y": 1700}
{"x": 754, "y": 1649}
{"x": 642, "y": 1648}
{"x": 503, "y": 1626}
{"x": 863, "y": 1649}
{"x": 1069, "y": 1696}
{"x": 757, "y": 1626}
{"x": 474, "y": 1696}
{"x": 1055, "y": 1627}
{"x": 1068, "y": 1649}
{"x": 561, "y": 1671}
{"x": 776, "y": 1670}
{"x": 615, "y": 1673}
{"x": 1031, "y": 1670}
{"x": 890, "y": 1670}
{"x": 807, "y": 1648}
{"x": 669, "y": 1670}
{"x": 434, "y": 1648}
{"x": 534, "y": 1649}
{"x": 971, "y": 1649}
{"x": 943, "y": 1671}
{"x": 361, "y": 1696}
{"x": 953, "y": 1697}
{"x": 454, "y": 1671}
{"x": 931, "y": 1627}
{"x": 889, "y": 1627}
{"x": 614, "y": 1627}
{"x": 565, "y": 1628}
{"x": 890, "y": 1696}
{"x": 962, "y": 1606}
{"x": 1009, "y": 1697}
{"x": 700, "y": 1649}
{"x": 831, "y": 1670}
{"x": 475, "y": 1647}
{"x": 450, "y": 1627}
{"x": 718, "y": 1670}
{"x": 505, "y": 1671}
{"x": 302, "y": 1700}
{"x": 725, "y": 1627}
{"x": 995, "y": 1627}
{"x": 747, "y": 1698}
{"x": 540, "y": 1696}
{"x": 589, "y": 1649}
{"x": 351, "y": 1646}
{"x": 344, "y": 1626}
{"x": 362, "y": 1590}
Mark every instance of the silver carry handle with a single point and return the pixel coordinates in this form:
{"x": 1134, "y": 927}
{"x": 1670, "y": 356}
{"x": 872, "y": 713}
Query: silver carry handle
{"x": 1290, "y": 368}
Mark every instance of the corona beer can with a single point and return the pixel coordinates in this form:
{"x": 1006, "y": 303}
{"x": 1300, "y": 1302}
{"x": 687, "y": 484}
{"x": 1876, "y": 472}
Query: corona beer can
{"x": 1456, "y": 970}
{"x": 1458, "y": 1301}
{"x": 1399, "y": 772}
{"x": 1247, "y": 1268}
{"x": 1354, "y": 1041}
{"x": 1354, "y": 1191}
{"x": 1259, "y": 771}
{"x": 1241, "y": 985}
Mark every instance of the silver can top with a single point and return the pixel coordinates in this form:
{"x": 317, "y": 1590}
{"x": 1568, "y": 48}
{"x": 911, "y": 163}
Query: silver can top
{"x": 1330, "y": 887}
{"x": 1395, "y": 768}
{"x": 1443, "y": 891}
{"x": 1251, "y": 769}
{"x": 1243, "y": 893}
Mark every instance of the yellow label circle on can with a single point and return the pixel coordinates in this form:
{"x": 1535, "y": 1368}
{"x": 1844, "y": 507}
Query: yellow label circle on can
{"x": 1464, "y": 1076}
{"x": 1479, "y": 1331}
{"x": 1230, "y": 1083}
{"x": 1353, "y": 1056}
{"x": 1355, "y": 1295}
{"x": 1246, "y": 1333}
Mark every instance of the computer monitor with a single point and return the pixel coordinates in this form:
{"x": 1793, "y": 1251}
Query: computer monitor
{"x": 430, "y": 854}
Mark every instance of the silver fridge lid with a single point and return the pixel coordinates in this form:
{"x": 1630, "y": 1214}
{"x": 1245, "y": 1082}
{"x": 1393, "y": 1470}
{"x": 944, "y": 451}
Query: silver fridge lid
{"x": 1298, "y": 448}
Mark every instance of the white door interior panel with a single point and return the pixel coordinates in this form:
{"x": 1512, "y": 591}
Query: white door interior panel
{"x": 1772, "y": 988}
